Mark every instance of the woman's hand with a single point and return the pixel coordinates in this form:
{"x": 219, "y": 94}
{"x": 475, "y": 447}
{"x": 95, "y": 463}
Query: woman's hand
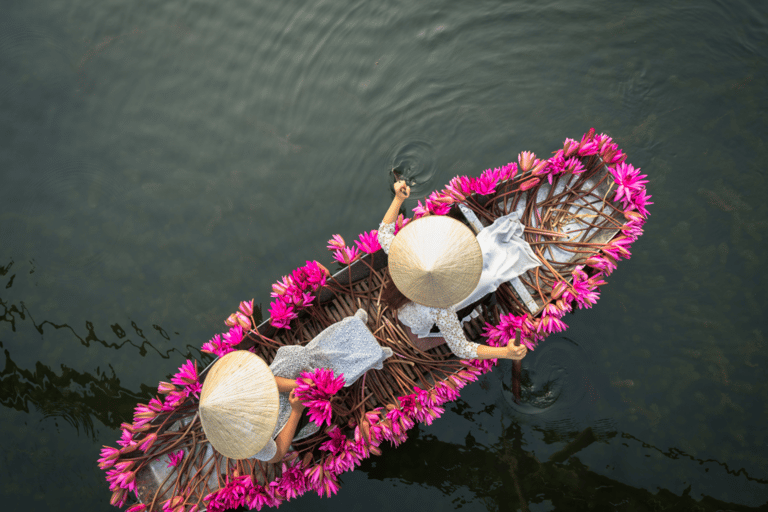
{"x": 295, "y": 402}
{"x": 516, "y": 353}
{"x": 402, "y": 190}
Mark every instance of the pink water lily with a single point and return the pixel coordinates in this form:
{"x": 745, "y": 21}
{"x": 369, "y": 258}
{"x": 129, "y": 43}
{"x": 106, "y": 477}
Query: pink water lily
{"x": 629, "y": 182}
{"x": 292, "y": 483}
{"x": 336, "y": 242}
{"x": 640, "y": 201}
{"x": 316, "y": 275}
{"x": 508, "y": 171}
{"x": 281, "y": 287}
{"x": 148, "y": 441}
{"x": 234, "y": 336}
{"x": 460, "y": 187}
{"x": 420, "y": 210}
{"x": 281, "y": 314}
{"x": 369, "y": 242}
{"x": 346, "y": 255}
{"x": 526, "y": 160}
{"x": 217, "y": 346}
{"x": 529, "y": 184}
{"x": 174, "y": 458}
{"x": 570, "y": 147}
{"x": 246, "y": 307}
{"x": 400, "y": 222}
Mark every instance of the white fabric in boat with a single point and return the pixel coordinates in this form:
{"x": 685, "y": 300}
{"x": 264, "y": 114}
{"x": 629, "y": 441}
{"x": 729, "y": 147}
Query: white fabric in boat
{"x": 506, "y": 255}
{"x": 346, "y": 347}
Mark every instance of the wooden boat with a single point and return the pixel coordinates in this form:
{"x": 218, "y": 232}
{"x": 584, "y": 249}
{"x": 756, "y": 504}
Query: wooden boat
{"x": 573, "y": 222}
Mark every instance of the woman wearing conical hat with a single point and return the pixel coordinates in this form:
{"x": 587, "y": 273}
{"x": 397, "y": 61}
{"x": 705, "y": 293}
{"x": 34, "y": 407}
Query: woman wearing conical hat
{"x": 437, "y": 266}
{"x": 249, "y": 409}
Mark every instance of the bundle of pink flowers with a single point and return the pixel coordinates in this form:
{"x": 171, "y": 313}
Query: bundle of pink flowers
{"x": 121, "y": 471}
{"x": 315, "y": 390}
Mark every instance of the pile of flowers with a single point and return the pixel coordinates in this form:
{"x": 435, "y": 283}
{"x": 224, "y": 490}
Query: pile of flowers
{"x": 345, "y": 448}
{"x": 316, "y": 390}
{"x": 137, "y": 447}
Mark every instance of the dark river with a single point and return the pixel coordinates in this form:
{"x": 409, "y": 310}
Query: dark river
{"x": 162, "y": 161}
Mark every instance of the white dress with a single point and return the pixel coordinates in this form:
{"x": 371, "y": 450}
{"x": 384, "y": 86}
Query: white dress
{"x": 505, "y": 256}
{"x": 346, "y": 347}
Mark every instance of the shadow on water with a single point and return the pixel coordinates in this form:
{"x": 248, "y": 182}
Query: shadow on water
{"x": 19, "y": 311}
{"x": 78, "y": 397}
{"x": 504, "y": 476}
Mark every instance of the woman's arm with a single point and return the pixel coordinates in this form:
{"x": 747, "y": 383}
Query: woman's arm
{"x": 402, "y": 191}
{"x": 450, "y": 326}
{"x": 284, "y": 384}
{"x": 284, "y": 438}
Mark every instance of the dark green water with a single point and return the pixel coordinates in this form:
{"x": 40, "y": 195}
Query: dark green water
{"x": 161, "y": 161}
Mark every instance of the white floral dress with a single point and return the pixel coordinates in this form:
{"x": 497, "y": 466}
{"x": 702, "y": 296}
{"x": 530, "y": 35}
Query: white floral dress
{"x": 421, "y": 318}
{"x": 346, "y": 347}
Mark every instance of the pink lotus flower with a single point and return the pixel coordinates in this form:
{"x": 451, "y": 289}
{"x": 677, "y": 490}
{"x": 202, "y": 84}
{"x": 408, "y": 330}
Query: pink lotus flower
{"x": 242, "y": 320}
{"x": 438, "y": 208}
{"x": 118, "y": 498}
{"x": 574, "y": 165}
{"x": 588, "y": 146}
{"x": 281, "y": 287}
{"x": 315, "y": 391}
{"x": 445, "y": 393}
{"x": 618, "y": 248}
{"x": 487, "y": 182}
{"x": 234, "y": 336}
{"x": 336, "y": 243}
{"x": 400, "y": 222}
{"x": 126, "y": 438}
{"x": 173, "y": 400}
{"x": 187, "y": 374}
{"x": 640, "y": 201}
{"x": 420, "y": 210}
{"x": 316, "y": 275}
{"x": 322, "y": 481}
{"x": 526, "y": 159}
{"x": 247, "y": 307}
{"x": 155, "y": 404}
{"x": 409, "y": 405}
{"x": 293, "y": 483}
{"x": 281, "y": 314}
{"x": 336, "y": 442}
{"x": 369, "y": 242}
{"x": 570, "y": 147}
{"x": 108, "y": 457}
{"x": 346, "y": 255}
{"x": 605, "y": 264}
{"x": 633, "y": 229}
{"x": 460, "y": 187}
{"x": 629, "y": 181}
{"x": 174, "y": 458}
{"x": 217, "y": 346}
{"x": 165, "y": 387}
{"x": 508, "y": 171}
{"x": 148, "y": 442}
{"x": 529, "y": 184}
{"x": 231, "y": 320}
{"x": 298, "y": 299}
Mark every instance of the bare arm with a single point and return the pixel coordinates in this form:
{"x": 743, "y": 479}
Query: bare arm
{"x": 402, "y": 191}
{"x": 284, "y": 438}
{"x": 284, "y": 384}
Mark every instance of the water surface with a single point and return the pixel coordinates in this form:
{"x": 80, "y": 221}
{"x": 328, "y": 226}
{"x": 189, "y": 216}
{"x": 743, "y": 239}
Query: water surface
{"x": 160, "y": 162}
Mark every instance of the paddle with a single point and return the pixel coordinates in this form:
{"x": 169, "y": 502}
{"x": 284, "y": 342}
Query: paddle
{"x": 517, "y": 367}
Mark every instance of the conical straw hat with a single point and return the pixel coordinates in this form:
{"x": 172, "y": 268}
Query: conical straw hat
{"x": 435, "y": 261}
{"x": 239, "y": 405}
